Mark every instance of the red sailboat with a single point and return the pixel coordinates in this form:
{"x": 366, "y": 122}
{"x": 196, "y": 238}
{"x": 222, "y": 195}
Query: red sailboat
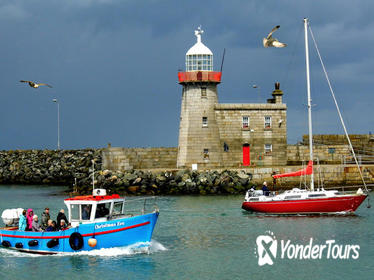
{"x": 302, "y": 201}
{"x": 307, "y": 201}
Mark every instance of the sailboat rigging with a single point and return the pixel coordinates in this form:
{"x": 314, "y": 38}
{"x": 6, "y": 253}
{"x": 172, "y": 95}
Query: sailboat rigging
{"x": 308, "y": 201}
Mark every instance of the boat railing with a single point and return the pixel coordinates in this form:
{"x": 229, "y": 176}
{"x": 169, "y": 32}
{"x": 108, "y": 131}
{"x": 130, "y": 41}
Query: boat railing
{"x": 141, "y": 205}
{"x": 348, "y": 189}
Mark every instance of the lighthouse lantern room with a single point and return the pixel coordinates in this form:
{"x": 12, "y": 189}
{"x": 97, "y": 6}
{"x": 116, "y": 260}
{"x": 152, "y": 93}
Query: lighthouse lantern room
{"x": 199, "y": 63}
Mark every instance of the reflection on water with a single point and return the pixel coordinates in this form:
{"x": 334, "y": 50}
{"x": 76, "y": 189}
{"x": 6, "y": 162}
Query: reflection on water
{"x": 198, "y": 238}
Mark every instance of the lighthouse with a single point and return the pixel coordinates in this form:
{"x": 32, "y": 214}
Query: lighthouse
{"x": 199, "y": 139}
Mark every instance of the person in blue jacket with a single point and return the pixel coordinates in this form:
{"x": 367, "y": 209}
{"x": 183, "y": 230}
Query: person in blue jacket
{"x": 265, "y": 189}
{"x": 22, "y": 221}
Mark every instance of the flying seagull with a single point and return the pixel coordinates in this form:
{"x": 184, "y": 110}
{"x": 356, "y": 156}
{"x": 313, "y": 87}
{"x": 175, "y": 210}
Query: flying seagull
{"x": 35, "y": 85}
{"x": 269, "y": 41}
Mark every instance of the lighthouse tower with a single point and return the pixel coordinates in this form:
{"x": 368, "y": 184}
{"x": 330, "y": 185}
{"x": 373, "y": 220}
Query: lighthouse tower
{"x": 199, "y": 140}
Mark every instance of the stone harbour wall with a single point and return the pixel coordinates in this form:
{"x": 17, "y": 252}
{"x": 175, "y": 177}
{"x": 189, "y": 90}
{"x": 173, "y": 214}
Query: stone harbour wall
{"x": 139, "y": 158}
{"x": 47, "y": 167}
{"x": 358, "y": 140}
{"x": 330, "y": 154}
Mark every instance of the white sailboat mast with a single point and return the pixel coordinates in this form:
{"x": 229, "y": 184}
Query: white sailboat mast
{"x": 309, "y": 100}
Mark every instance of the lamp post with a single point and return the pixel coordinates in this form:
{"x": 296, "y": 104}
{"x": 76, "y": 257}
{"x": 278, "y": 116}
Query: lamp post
{"x": 58, "y": 122}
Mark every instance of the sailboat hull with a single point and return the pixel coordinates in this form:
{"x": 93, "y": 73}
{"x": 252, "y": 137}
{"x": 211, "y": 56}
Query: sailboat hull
{"x": 346, "y": 203}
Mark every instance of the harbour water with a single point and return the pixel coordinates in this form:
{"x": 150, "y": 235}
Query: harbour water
{"x": 200, "y": 237}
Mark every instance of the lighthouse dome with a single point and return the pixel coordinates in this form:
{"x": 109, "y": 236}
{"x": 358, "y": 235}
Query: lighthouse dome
{"x": 199, "y": 57}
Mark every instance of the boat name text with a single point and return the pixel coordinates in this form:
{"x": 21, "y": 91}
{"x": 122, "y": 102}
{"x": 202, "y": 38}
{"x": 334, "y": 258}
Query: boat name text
{"x": 109, "y": 225}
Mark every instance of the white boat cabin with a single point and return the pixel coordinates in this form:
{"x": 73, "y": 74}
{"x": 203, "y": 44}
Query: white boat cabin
{"x": 98, "y": 207}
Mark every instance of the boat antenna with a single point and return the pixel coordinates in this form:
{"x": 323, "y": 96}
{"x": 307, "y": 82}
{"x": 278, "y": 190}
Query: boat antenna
{"x": 340, "y": 115}
{"x": 306, "y": 21}
{"x": 223, "y": 59}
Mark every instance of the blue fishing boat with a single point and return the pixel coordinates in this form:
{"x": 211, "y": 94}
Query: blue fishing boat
{"x": 97, "y": 221}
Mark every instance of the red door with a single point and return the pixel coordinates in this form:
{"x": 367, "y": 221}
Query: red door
{"x": 246, "y": 155}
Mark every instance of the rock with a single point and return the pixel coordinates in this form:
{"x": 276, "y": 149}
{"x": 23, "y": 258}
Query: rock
{"x": 137, "y": 180}
{"x": 106, "y": 173}
{"x": 133, "y": 189}
{"x": 130, "y": 177}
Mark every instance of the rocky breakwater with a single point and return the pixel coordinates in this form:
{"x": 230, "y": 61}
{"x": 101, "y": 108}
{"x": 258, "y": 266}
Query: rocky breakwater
{"x": 47, "y": 167}
{"x": 138, "y": 182}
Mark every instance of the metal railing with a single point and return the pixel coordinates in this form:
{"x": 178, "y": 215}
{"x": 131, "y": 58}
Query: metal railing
{"x": 141, "y": 205}
{"x": 362, "y": 159}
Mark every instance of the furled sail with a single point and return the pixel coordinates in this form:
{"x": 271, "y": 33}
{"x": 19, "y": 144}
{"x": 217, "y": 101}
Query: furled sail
{"x": 306, "y": 171}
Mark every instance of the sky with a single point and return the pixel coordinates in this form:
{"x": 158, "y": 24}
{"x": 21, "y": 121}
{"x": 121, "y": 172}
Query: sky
{"x": 113, "y": 66}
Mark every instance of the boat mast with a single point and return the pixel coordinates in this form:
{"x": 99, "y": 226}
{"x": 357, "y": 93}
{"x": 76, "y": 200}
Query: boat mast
{"x": 309, "y": 101}
{"x": 93, "y": 175}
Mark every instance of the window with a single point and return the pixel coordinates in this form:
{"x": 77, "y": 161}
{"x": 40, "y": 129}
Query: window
{"x": 267, "y": 121}
{"x": 206, "y": 153}
{"x": 268, "y": 149}
{"x": 205, "y": 121}
{"x": 86, "y": 211}
{"x": 74, "y": 212}
{"x": 316, "y": 195}
{"x": 331, "y": 150}
{"x": 203, "y": 92}
{"x": 245, "y": 122}
{"x": 102, "y": 210}
{"x": 199, "y": 62}
{"x": 225, "y": 147}
{"x": 293, "y": 197}
{"x": 117, "y": 208}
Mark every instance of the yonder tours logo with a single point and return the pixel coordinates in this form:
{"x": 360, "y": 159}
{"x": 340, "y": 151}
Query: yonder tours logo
{"x": 267, "y": 248}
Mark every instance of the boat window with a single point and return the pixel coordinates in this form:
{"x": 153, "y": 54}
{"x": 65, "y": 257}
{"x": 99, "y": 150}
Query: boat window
{"x": 102, "y": 210}
{"x": 316, "y": 195}
{"x": 86, "y": 211}
{"x": 254, "y": 198}
{"x": 74, "y": 211}
{"x": 117, "y": 208}
{"x": 292, "y": 196}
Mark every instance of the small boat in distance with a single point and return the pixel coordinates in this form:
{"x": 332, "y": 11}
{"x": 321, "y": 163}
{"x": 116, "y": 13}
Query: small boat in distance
{"x": 307, "y": 201}
{"x": 97, "y": 221}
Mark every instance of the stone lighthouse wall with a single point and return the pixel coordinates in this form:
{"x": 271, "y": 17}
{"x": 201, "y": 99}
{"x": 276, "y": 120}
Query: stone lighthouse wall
{"x": 199, "y": 142}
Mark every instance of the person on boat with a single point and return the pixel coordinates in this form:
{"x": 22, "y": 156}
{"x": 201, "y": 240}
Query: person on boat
{"x": 274, "y": 180}
{"x": 265, "y": 190}
{"x": 86, "y": 212}
{"x": 101, "y": 211}
{"x": 29, "y": 219}
{"x": 35, "y": 224}
{"x": 63, "y": 225}
{"x": 61, "y": 216}
{"x": 22, "y": 224}
{"x": 45, "y": 218}
{"x": 51, "y": 226}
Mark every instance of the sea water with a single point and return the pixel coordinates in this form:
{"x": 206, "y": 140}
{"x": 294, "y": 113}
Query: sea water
{"x": 204, "y": 237}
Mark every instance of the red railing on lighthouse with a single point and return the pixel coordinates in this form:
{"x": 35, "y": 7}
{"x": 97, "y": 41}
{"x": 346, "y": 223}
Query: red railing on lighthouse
{"x": 199, "y": 76}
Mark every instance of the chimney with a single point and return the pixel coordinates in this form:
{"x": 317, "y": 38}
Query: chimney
{"x": 277, "y": 94}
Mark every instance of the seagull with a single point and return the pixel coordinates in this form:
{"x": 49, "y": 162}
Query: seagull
{"x": 35, "y": 85}
{"x": 269, "y": 41}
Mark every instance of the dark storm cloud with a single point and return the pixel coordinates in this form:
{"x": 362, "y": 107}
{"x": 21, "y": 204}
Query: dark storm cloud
{"x": 113, "y": 65}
